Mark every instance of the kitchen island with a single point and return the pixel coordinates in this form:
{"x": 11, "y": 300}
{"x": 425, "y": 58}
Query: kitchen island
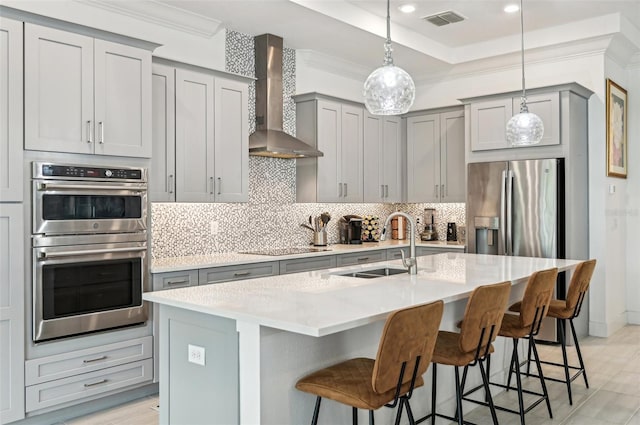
{"x": 249, "y": 341}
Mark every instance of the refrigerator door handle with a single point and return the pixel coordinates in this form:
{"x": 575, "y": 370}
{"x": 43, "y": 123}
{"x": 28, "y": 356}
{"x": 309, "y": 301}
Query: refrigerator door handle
{"x": 503, "y": 215}
{"x": 509, "y": 246}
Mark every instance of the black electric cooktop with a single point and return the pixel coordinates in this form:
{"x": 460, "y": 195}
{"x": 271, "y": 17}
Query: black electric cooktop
{"x": 286, "y": 251}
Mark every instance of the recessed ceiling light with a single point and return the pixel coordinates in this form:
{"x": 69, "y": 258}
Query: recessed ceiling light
{"x": 407, "y": 8}
{"x": 511, "y": 8}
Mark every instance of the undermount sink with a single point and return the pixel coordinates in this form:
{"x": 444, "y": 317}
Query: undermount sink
{"x": 372, "y": 274}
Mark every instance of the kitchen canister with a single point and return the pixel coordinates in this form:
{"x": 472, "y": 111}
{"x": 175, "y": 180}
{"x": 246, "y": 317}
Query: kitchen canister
{"x": 398, "y": 228}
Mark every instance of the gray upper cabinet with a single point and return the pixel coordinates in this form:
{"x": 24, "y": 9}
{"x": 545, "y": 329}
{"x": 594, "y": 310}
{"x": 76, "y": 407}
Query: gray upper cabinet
{"x": 12, "y": 324}
{"x": 194, "y": 136}
{"x": 336, "y": 129}
{"x": 489, "y": 117}
{"x": 231, "y": 155}
{"x": 382, "y": 158}
{"x": 435, "y": 157}
{"x": 10, "y": 110}
{"x": 85, "y": 95}
{"x": 211, "y": 137}
{"x": 163, "y": 160}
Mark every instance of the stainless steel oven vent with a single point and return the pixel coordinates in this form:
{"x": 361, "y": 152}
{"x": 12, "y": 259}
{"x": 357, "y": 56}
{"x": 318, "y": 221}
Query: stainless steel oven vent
{"x": 444, "y": 18}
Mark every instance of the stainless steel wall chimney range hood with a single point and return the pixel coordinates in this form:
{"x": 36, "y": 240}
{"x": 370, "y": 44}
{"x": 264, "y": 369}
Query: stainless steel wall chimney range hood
{"x": 269, "y": 139}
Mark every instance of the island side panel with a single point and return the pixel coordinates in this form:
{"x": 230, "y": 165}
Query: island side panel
{"x": 192, "y": 393}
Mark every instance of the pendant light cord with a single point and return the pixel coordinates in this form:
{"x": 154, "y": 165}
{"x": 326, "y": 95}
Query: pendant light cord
{"x": 523, "y": 100}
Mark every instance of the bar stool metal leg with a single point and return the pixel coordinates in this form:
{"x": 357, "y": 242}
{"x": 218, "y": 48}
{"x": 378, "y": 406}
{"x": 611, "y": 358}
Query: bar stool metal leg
{"x": 575, "y": 340}
{"x": 532, "y": 347}
{"x": 563, "y": 344}
{"x": 316, "y": 410}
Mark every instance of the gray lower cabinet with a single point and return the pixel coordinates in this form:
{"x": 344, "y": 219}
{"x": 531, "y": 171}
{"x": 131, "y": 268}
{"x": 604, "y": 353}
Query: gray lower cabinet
{"x": 173, "y": 280}
{"x": 239, "y": 272}
{"x": 394, "y": 253}
{"x": 78, "y": 376}
{"x": 307, "y": 264}
{"x": 371, "y": 256}
{"x": 12, "y": 323}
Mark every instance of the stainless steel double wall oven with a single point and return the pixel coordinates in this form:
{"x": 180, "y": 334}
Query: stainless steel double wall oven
{"x": 89, "y": 248}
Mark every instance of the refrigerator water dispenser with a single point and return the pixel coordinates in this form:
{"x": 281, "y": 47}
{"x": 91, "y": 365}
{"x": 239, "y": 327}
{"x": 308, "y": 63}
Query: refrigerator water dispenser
{"x": 486, "y": 234}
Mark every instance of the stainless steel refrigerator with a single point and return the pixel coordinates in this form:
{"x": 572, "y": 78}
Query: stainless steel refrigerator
{"x": 517, "y": 208}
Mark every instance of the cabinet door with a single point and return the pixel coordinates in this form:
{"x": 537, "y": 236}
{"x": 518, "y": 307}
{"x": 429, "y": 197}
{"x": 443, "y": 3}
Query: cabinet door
{"x": 373, "y": 158}
{"x": 231, "y": 141}
{"x": 162, "y": 171}
{"x": 12, "y": 326}
{"x": 58, "y": 90}
{"x": 489, "y": 123}
{"x": 392, "y": 154}
{"x": 194, "y": 137}
{"x": 122, "y": 100}
{"x": 423, "y": 158}
{"x": 351, "y": 147}
{"x": 452, "y": 168}
{"x": 547, "y": 107}
{"x": 10, "y": 110}
{"x": 329, "y": 187}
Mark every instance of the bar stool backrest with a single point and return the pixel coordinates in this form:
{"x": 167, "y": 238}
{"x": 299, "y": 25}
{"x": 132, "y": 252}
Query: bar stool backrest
{"x": 408, "y": 335}
{"x": 483, "y": 317}
{"x": 536, "y": 299}
{"x": 579, "y": 285}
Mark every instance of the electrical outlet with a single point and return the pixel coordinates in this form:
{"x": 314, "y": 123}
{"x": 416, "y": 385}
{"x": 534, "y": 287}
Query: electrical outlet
{"x": 196, "y": 355}
{"x": 213, "y": 227}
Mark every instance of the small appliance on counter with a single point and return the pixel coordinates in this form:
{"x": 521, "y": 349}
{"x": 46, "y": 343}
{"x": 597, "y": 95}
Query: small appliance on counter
{"x": 452, "y": 232}
{"x": 429, "y": 233}
{"x": 350, "y": 228}
{"x": 370, "y": 228}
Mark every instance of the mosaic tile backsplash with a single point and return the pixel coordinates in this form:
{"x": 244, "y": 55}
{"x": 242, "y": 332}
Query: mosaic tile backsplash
{"x": 271, "y": 218}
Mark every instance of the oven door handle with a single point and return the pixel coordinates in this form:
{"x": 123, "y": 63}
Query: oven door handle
{"x": 48, "y": 186}
{"x": 44, "y": 255}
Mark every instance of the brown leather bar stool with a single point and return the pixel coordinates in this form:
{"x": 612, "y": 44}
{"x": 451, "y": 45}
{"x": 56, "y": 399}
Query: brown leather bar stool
{"x": 564, "y": 310}
{"x": 533, "y": 308}
{"x": 404, "y": 354}
{"x": 482, "y": 319}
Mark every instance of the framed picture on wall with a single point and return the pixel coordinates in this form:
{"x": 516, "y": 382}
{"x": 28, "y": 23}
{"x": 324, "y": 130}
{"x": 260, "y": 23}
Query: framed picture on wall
{"x": 617, "y": 124}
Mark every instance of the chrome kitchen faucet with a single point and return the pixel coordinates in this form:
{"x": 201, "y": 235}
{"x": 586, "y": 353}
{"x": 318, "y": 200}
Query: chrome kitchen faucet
{"x": 410, "y": 263}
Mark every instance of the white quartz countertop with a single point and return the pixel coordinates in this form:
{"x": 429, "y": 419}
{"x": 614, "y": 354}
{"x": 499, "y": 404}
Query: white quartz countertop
{"x": 323, "y": 302}
{"x": 173, "y": 264}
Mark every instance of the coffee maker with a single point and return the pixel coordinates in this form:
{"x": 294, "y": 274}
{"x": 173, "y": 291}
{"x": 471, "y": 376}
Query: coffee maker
{"x": 350, "y": 228}
{"x": 429, "y": 233}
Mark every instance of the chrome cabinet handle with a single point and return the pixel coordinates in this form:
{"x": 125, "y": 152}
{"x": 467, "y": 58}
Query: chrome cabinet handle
{"x": 103, "y": 381}
{"x": 101, "y": 124}
{"x": 435, "y": 191}
{"x": 210, "y": 185}
{"x": 177, "y": 282}
{"x": 170, "y": 183}
{"x": 345, "y": 189}
{"x": 94, "y": 360}
{"x": 89, "y": 138}
{"x": 240, "y": 274}
{"x": 363, "y": 258}
{"x": 219, "y": 185}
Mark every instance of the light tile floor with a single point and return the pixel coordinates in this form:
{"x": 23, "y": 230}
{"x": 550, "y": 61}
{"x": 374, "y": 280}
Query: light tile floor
{"x": 613, "y": 397}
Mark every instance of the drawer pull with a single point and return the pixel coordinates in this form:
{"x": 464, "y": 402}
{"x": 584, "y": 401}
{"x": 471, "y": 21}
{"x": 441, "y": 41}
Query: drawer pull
{"x": 240, "y": 274}
{"x": 93, "y": 384}
{"x": 94, "y": 360}
{"x": 176, "y": 282}
{"x": 363, "y": 258}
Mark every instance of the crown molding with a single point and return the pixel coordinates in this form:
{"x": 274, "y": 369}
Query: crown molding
{"x": 332, "y": 64}
{"x": 161, "y": 14}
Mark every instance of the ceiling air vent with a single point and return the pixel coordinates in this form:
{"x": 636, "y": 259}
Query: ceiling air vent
{"x": 444, "y": 18}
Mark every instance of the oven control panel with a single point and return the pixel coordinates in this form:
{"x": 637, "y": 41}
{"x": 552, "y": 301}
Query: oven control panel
{"x": 82, "y": 172}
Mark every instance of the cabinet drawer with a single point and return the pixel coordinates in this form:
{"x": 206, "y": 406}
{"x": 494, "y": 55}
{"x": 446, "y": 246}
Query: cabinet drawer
{"x": 79, "y": 387}
{"x": 175, "y": 280}
{"x": 244, "y": 271}
{"x": 307, "y": 264}
{"x": 422, "y": 250}
{"x": 80, "y": 362}
{"x": 361, "y": 258}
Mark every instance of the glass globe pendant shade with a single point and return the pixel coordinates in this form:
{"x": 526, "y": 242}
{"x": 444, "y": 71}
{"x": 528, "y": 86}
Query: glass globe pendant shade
{"x": 389, "y": 90}
{"x": 525, "y": 128}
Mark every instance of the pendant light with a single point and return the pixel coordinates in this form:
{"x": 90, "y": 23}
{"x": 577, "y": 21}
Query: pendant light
{"x": 389, "y": 90}
{"x": 525, "y": 128}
